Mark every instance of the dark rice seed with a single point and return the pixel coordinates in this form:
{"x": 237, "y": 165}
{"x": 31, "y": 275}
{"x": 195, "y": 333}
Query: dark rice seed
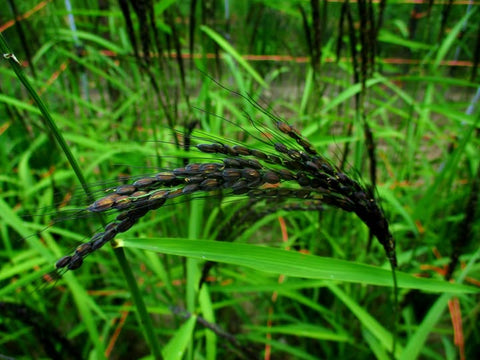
{"x": 292, "y": 164}
{"x": 250, "y": 174}
{"x": 259, "y": 154}
{"x": 242, "y": 150}
{"x": 274, "y": 159}
{"x": 209, "y": 184}
{"x": 166, "y": 177}
{"x": 323, "y": 165}
{"x": 190, "y": 188}
{"x": 231, "y": 163}
{"x": 319, "y": 184}
{"x": 295, "y": 136}
{"x": 180, "y": 172}
{"x": 306, "y": 146}
{"x": 311, "y": 165}
{"x": 97, "y": 241}
{"x": 194, "y": 179}
{"x": 83, "y": 249}
{"x": 240, "y": 187}
{"x": 110, "y": 233}
{"x": 122, "y": 202}
{"x": 295, "y": 131}
{"x": 211, "y": 167}
{"x": 63, "y": 262}
{"x": 288, "y": 130}
{"x": 294, "y": 154}
{"x": 126, "y": 224}
{"x": 157, "y": 199}
{"x": 139, "y": 198}
{"x": 207, "y": 148}
{"x": 360, "y": 196}
{"x": 231, "y": 174}
{"x": 122, "y": 216}
{"x": 285, "y": 174}
{"x": 159, "y": 194}
{"x": 333, "y": 183}
{"x": 173, "y": 194}
{"x": 138, "y": 194}
{"x": 254, "y": 164}
{"x": 284, "y": 127}
{"x": 125, "y": 189}
{"x": 345, "y": 180}
{"x": 228, "y": 150}
{"x": 144, "y": 182}
{"x": 104, "y": 203}
{"x": 303, "y": 179}
{"x": 305, "y": 156}
{"x": 155, "y": 204}
{"x": 271, "y": 177}
{"x": 99, "y": 235}
{"x": 215, "y": 175}
{"x": 137, "y": 212}
{"x": 75, "y": 262}
{"x": 242, "y": 163}
{"x": 280, "y": 148}
{"x": 192, "y": 168}
{"x": 345, "y": 204}
{"x": 228, "y": 184}
{"x": 218, "y": 147}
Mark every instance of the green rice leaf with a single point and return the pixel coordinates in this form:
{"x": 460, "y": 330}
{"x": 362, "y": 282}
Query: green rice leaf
{"x": 234, "y": 53}
{"x": 289, "y": 263}
{"x": 178, "y": 344}
{"x": 391, "y": 38}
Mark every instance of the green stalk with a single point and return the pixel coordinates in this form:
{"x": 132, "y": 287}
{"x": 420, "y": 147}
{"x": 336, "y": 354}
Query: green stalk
{"x": 142, "y": 313}
{"x": 47, "y": 118}
{"x": 145, "y": 320}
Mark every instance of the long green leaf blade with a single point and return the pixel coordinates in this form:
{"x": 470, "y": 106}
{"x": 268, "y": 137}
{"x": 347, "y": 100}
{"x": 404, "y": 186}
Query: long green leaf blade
{"x": 290, "y": 263}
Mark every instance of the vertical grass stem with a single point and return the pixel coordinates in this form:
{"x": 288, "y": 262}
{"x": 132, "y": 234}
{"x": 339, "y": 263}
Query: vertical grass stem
{"x": 47, "y": 118}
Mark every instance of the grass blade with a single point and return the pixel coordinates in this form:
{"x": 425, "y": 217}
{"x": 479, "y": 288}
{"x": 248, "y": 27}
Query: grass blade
{"x": 234, "y": 53}
{"x": 293, "y": 264}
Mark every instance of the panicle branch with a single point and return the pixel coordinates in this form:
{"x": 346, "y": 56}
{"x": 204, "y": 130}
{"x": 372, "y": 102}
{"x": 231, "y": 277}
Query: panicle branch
{"x": 286, "y": 171}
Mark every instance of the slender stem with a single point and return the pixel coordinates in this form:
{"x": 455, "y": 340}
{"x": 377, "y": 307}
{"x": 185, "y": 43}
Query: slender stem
{"x": 395, "y": 310}
{"x": 143, "y": 317}
{"x": 47, "y": 118}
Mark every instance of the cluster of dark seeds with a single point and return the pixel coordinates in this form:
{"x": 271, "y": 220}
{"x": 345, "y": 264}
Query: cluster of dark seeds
{"x": 288, "y": 171}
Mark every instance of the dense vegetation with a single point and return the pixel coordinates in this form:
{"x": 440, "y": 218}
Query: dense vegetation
{"x": 287, "y": 258}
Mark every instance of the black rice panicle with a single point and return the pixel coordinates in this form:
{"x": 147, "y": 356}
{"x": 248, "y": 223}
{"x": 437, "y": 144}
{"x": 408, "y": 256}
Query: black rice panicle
{"x": 287, "y": 167}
